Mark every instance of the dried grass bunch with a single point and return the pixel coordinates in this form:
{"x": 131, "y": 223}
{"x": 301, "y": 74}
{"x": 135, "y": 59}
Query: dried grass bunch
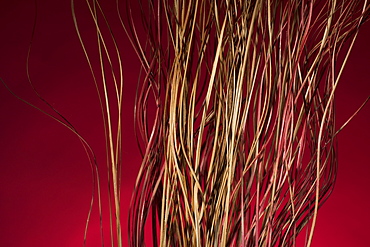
{"x": 241, "y": 149}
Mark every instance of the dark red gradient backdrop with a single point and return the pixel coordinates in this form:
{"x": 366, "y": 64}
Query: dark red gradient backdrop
{"x": 45, "y": 177}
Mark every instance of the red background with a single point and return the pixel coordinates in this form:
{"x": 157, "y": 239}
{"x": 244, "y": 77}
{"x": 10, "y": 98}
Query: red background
{"x": 45, "y": 178}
